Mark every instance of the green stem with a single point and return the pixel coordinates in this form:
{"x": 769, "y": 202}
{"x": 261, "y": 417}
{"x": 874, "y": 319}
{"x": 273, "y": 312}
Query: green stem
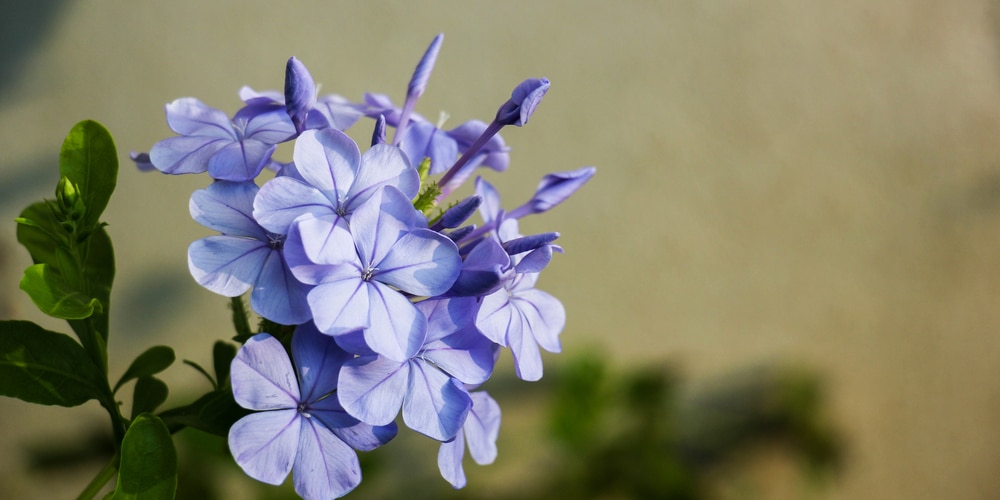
{"x": 103, "y": 476}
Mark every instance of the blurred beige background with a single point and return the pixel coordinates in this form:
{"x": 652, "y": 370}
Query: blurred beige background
{"x": 778, "y": 180}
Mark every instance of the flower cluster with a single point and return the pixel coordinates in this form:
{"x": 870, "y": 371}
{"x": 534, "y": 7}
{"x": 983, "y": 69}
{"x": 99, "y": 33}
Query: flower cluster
{"x": 397, "y": 305}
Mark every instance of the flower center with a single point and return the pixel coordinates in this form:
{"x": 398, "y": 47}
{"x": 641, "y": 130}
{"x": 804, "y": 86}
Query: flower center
{"x": 367, "y": 274}
{"x": 275, "y": 241}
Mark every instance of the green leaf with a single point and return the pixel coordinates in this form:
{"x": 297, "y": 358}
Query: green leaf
{"x": 39, "y": 231}
{"x": 153, "y": 361}
{"x": 222, "y": 357}
{"x": 148, "y": 468}
{"x": 88, "y": 158}
{"x": 53, "y": 296}
{"x": 44, "y": 367}
{"x": 149, "y": 394}
{"x": 213, "y": 413}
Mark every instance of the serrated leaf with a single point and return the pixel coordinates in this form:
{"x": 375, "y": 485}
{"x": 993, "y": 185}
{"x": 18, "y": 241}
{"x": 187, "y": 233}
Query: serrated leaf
{"x": 44, "y": 367}
{"x": 148, "y": 395}
{"x": 88, "y": 158}
{"x": 54, "y": 296}
{"x": 148, "y": 468}
{"x": 149, "y": 363}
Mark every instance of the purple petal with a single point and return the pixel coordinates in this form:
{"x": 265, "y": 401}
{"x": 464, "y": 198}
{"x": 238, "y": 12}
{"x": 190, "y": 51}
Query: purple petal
{"x": 240, "y": 161}
{"x": 484, "y": 270}
{"x": 227, "y": 265}
{"x": 422, "y": 73}
{"x": 142, "y": 161}
{"x": 327, "y": 160}
{"x": 317, "y": 361}
{"x": 523, "y": 101}
{"x": 535, "y": 261}
{"x": 277, "y": 295}
{"x": 262, "y": 376}
{"x": 189, "y": 116}
{"x": 491, "y": 200}
{"x": 355, "y": 433}
{"x": 267, "y": 124}
{"x": 300, "y": 92}
{"x": 227, "y": 207}
{"x": 435, "y": 404}
{"x": 423, "y": 140}
{"x": 339, "y": 113}
{"x": 553, "y": 190}
{"x": 283, "y": 199}
{"x": 185, "y": 155}
{"x": 371, "y": 388}
{"x": 325, "y": 467}
{"x": 482, "y": 428}
{"x": 447, "y": 316}
{"x": 264, "y": 444}
{"x": 450, "y": 456}
{"x": 496, "y": 154}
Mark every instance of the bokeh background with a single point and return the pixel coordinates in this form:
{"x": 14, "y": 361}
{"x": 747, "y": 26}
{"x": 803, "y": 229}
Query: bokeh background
{"x": 779, "y": 182}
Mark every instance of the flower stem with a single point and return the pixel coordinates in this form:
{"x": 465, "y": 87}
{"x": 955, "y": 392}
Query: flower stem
{"x": 103, "y": 476}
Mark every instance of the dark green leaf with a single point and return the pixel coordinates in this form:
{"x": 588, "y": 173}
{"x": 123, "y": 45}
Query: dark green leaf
{"x": 88, "y": 158}
{"x": 53, "y": 296}
{"x": 99, "y": 274}
{"x": 39, "y": 231}
{"x": 148, "y": 468}
{"x": 153, "y": 361}
{"x": 213, "y": 413}
{"x": 44, "y": 367}
{"x": 196, "y": 366}
{"x": 149, "y": 394}
{"x": 222, "y": 357}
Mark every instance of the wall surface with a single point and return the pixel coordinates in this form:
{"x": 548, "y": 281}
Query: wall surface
{"x": 778, "y": 180}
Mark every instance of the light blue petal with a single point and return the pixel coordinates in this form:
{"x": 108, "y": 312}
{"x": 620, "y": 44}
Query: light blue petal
{"x": 227, "y": 207}
{"x": 329, "y": 242}
{"x": 227, "y": 265}
{"x": 450, "y": 456}
{"x": 264, "y": 444}
{"x": 495, "y": 317}
{"x": 482, "y": 428}
{"x": 466, "y": 355}
{"x": 262, "y": 376}
{"x": 396, "y": 329}
{"x": 524, "y": 348}
{"x": 435, "y": 404}
{"x": 421, "y": 262}
{"x": 339, "y": 307}
{"x": 272, "y": 127}
{"x": 371, "y": 388}
{"x": 328, "y": 160}
{"x": 383, "y": 165}
{"x": 543, "y": 315}
{"x": 189, "y": 116}
{"x": 240, "y": 161}
{"x": 325, "y": 467}
{"x": 185, "y": 155}
{"x": 282, "y": 199}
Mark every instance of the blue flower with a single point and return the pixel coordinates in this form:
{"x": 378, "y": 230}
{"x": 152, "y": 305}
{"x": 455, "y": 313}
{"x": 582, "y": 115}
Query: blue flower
{"x": 245, "y": 255}
{"x": 233, "y": 150}
{"x": 362, "y": 270}
{"x": 298, "y": 426}
{"x": 332, "y": 179}
{"x": 429, "y": 383}
{"x": 480, "y": 431}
